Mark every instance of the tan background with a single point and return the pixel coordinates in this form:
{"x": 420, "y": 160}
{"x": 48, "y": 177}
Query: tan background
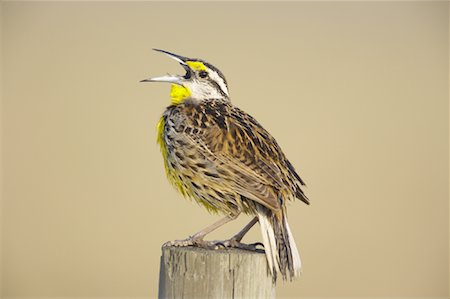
{"x": 355, "y": 93}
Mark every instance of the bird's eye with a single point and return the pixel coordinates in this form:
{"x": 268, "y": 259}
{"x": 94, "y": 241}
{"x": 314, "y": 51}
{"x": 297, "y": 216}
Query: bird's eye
{"x": 203, "y": 74}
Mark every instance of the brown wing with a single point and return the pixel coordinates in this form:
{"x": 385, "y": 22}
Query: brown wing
{"x": 249, "y": 158}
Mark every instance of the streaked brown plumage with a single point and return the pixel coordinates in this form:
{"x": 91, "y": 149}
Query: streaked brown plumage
{"x": 222, "y": 154}
{"x": 224, "y": 159}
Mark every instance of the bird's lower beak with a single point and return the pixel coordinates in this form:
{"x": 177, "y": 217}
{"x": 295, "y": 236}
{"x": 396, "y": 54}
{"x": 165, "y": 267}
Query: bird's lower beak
{"x": 175, "y": 79}
{"x": 169, "y": 78}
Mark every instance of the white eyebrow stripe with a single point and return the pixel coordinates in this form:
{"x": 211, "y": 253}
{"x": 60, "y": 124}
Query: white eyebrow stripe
{"x": 215, "y": 76}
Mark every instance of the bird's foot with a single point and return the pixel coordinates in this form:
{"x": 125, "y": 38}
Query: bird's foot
{"x": 199, "y": 242}
{"x": 234, "y": 243}
{"x": 191, "y": 241}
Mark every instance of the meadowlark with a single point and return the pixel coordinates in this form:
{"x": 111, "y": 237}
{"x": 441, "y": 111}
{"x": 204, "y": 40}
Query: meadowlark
{"x": 221, "y": 157}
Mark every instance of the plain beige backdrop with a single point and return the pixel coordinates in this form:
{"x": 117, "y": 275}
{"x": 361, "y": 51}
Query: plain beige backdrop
{"x": 355, "y": 93}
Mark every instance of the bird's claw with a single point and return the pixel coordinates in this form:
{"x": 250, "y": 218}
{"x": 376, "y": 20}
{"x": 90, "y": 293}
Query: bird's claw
{"x": 181, "y": 243}
{"x": 214, "y": 245}
{"x": 192, "y": 241}
{"x": 233, "y": 243}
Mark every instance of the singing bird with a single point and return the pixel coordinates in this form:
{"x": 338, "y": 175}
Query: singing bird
{"x": 221, "y": 157}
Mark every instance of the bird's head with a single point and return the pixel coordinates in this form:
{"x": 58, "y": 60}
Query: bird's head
{"x": 202, "y": 80}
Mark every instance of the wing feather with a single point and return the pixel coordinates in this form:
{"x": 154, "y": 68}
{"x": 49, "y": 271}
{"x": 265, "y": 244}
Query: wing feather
{"x": 253, "y": 163}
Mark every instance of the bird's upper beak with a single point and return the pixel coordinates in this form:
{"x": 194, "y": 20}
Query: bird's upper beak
{"x": 176, "y": 79}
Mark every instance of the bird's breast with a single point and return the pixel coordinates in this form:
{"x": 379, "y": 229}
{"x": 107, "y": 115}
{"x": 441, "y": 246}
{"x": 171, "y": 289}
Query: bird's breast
{"x": 169, "y": 139}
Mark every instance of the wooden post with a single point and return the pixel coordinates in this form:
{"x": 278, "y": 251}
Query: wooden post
{"x": 191, "y": 272}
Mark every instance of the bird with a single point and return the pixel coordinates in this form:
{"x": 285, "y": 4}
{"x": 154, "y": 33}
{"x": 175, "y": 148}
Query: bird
{"x": 222, "y": 158}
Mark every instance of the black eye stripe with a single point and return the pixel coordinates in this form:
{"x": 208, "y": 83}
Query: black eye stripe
{"x": 213, "y": 68}
{"x": 217, "y": 86}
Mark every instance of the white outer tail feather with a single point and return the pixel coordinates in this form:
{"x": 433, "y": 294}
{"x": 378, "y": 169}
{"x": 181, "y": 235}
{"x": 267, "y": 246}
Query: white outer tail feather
{"x": 295, "y": 254}
{"x": 270, "y": 246}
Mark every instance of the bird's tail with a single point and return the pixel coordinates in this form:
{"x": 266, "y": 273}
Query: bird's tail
{"x": 279, "y": 245}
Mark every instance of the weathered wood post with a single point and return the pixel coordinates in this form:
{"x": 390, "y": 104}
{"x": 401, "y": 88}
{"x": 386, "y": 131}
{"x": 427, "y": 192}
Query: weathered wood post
{"x": 190, "y": 272}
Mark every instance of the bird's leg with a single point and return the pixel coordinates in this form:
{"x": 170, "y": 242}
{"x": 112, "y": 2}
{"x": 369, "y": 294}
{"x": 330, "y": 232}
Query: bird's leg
{"x": 238, "y": 237}
{"x": 201, "y": 234}
{"x": 235, "y": 241}
{"x": 197, "y": 238}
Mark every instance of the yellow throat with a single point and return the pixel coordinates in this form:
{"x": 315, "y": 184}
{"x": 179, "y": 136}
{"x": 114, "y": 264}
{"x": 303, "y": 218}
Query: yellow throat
{"x": 178, "y": 94}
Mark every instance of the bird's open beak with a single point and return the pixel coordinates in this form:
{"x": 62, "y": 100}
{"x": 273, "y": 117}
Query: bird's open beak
{"x": 175, "y": 79}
